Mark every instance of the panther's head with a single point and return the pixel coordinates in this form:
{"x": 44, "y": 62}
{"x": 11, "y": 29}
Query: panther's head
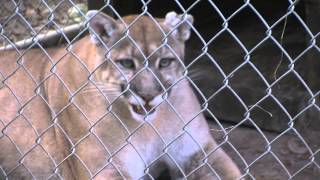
{"x": 142, "y": 56}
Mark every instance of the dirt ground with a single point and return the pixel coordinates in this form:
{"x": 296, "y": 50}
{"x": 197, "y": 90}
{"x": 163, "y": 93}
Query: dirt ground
{"x": 285, "y": 158}
{"x": 286, "y": 153}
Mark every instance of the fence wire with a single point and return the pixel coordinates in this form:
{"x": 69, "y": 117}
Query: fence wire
{"x": 116, "y": 115}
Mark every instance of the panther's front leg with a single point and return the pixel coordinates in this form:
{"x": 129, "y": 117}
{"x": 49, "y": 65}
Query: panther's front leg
{"x": 214, "y": 165}
{"x": 196, "y": 156}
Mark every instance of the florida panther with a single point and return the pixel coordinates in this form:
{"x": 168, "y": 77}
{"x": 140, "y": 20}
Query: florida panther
{"x": 113, "y": 105}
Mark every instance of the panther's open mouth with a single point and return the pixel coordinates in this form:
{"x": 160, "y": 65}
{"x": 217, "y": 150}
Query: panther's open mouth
{"x": 139, "y": 109}
{"x": 142, "y": 110}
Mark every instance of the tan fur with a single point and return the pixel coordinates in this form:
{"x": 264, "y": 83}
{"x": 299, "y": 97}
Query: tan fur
{"x": 66, "y": 127}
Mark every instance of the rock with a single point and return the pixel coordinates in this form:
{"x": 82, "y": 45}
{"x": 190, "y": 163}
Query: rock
{"x": 296, "y": 146}
{"x": 74, "y": 13}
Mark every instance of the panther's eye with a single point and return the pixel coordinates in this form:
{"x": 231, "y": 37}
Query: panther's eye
{"x": 126, "y": 63}
{"x": 165, "y": 62}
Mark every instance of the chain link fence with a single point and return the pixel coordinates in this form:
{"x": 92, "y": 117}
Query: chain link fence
{"x": 219, "y": 90}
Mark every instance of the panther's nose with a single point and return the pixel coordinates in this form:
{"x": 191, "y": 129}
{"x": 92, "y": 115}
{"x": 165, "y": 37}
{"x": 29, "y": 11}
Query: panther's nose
{"x": 146, "y": 97}
{"x": 146, "y": 86}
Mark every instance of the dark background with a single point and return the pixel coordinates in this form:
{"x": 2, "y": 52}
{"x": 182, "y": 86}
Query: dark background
{"x": 290, "y": 95}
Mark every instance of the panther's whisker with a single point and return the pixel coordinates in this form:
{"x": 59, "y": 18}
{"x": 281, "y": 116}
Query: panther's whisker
{"x": 108, "y": 95}
{"x": 108, "y": 92}
{"x": 106, "y": 83}
{"x": 196, "y": 75}
{"x": 98, "y": 85}
{"x": 101, "y": 90}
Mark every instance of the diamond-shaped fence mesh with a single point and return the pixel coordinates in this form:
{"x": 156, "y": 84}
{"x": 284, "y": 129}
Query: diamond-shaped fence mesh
{"x": 159, "y": 90}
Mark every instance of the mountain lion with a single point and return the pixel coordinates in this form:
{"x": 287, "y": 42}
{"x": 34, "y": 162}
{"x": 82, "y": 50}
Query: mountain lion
{"x": 113, "y": 105}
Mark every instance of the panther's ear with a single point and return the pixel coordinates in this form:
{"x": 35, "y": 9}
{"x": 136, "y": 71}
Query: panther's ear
{"x": 183, "y": 30}
{"x": 101, "y": 26}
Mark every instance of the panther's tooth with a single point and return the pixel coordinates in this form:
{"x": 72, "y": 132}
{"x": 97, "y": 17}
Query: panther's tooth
{"x": 139, "y": 108}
